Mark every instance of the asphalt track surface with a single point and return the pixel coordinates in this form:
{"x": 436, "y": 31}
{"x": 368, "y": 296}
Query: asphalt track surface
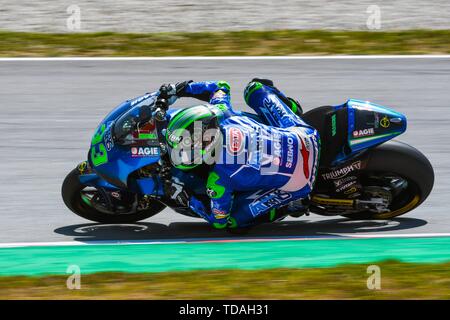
{"x": 50, "y": 109}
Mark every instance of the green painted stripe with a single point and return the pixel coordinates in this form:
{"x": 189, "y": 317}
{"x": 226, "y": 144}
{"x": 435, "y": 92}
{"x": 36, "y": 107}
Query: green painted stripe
{"x": 354, "y": 141}
{"x": 147, "y": 136}
{"x": 224, "y": 255}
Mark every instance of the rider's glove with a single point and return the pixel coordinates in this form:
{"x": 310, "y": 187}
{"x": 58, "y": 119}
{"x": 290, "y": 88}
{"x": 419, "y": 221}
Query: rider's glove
{"x": 174, "y": 189}
{"x": 199, "y": 208}
{"x": 214, "y": 219}
{"x": 171, "y": 92}
{"x": 168, "y": 92}
{"x": 181, "y": 87}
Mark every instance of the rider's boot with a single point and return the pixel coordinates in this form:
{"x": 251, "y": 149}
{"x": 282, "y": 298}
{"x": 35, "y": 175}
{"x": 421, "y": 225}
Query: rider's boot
{"x": 297, "y": 209}
{"x": 292, "y": 103}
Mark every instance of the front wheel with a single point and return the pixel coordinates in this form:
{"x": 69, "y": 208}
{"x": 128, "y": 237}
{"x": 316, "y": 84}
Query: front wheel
{"x": 398, "y": 174}
{"x": 89, "y": 203}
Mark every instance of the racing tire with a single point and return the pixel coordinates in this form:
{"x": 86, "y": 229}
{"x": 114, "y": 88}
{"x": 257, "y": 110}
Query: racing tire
{"x": 410, "y": 164}
{"x": 71, "y": 195}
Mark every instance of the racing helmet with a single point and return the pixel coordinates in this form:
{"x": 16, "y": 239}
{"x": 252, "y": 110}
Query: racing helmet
{"x": 192, "y": 136}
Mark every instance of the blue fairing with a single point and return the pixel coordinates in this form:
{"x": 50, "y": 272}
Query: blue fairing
{"x": 115, "y": 162}
{"x": 369, "y": 125}
{"x": 387, "y": 131}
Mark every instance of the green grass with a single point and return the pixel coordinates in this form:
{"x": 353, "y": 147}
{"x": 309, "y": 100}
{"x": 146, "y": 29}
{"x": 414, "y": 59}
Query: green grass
{"x": 258, "y": 43}
{"x": 398, "y": 281}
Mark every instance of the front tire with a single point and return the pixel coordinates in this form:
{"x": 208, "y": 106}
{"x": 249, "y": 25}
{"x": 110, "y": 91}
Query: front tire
{"x": 72, "y": 197}
{"x": 410, "y": 164}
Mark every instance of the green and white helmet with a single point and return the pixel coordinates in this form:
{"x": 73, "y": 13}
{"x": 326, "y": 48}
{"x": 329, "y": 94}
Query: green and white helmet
{"x": 192, "y": 136}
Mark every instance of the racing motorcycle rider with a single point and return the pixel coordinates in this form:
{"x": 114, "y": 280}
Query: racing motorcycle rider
{"x": 272, "y": 167}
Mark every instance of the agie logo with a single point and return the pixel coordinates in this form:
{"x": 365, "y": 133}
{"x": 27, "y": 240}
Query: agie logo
{"x": 144, "y": 151}
{"x": 363, "y": 132}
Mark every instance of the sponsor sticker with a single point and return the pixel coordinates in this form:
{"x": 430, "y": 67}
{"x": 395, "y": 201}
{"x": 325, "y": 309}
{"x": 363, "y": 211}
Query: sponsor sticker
{"x": 290, "y": 152}
{"x": 235, "y": 143}
{"x": 333, "y": 125}
{"x": 351, "y": 190}
{"x": 363, "y": 132}
{"x": 342, "y": 172}
{"x": 274, "y": 106}
{"x": 144, "y": 151}
{"x": 376, "y": 121}
{"x": 340, "y": 182}
{"x": 384, "y": 122}
{"x": 268, "y": 200}
{"x": 116, "y": 195}
{"x": 346, "y": 186}
{"x": 219, "y": 214}
{"x": 139, "y": 99}
{"x": 109, "y": 143}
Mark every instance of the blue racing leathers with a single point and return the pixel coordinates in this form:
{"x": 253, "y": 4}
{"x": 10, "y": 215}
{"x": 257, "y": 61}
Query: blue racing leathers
{"x": 261, "y": 167}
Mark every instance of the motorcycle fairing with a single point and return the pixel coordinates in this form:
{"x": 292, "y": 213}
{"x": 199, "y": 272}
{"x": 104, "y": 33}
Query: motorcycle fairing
{"x": 114, "y": 162}
{"x": 369, "y": 125}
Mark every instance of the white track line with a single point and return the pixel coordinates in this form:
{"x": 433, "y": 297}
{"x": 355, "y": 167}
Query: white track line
{"x": 200, "y": 240}
{"x": 78, "y": 243}
{"x": 328, "y": 57}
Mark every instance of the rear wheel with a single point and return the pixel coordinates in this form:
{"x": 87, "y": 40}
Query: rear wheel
{"x": 95, "y": 204}
{"x": 399, "y": 176}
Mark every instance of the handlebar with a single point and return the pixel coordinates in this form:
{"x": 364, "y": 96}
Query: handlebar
{"x": 162, "y": 105}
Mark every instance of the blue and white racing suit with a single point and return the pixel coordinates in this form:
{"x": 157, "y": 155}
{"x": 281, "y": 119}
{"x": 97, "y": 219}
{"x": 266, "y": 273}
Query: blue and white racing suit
{"x": 261, "y": 167}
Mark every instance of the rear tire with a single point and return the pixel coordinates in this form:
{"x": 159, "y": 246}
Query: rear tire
{"x": 71, "y": 195}
{"x": 410, "y": 164}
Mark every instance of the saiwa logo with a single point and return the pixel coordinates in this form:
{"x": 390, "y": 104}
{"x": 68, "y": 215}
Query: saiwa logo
{"x": 235, "y": 140}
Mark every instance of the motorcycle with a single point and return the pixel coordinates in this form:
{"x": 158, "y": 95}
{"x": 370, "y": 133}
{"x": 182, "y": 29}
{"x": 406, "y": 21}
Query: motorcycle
{"x": 363, "y": 173}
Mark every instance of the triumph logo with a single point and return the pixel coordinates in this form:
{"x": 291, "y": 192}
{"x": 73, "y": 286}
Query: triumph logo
{"x": 342, "y": 172}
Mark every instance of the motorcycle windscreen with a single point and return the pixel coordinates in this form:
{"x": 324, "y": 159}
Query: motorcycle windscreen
{"x": 370, "y": 124}
{"x": 113, "y": 161}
